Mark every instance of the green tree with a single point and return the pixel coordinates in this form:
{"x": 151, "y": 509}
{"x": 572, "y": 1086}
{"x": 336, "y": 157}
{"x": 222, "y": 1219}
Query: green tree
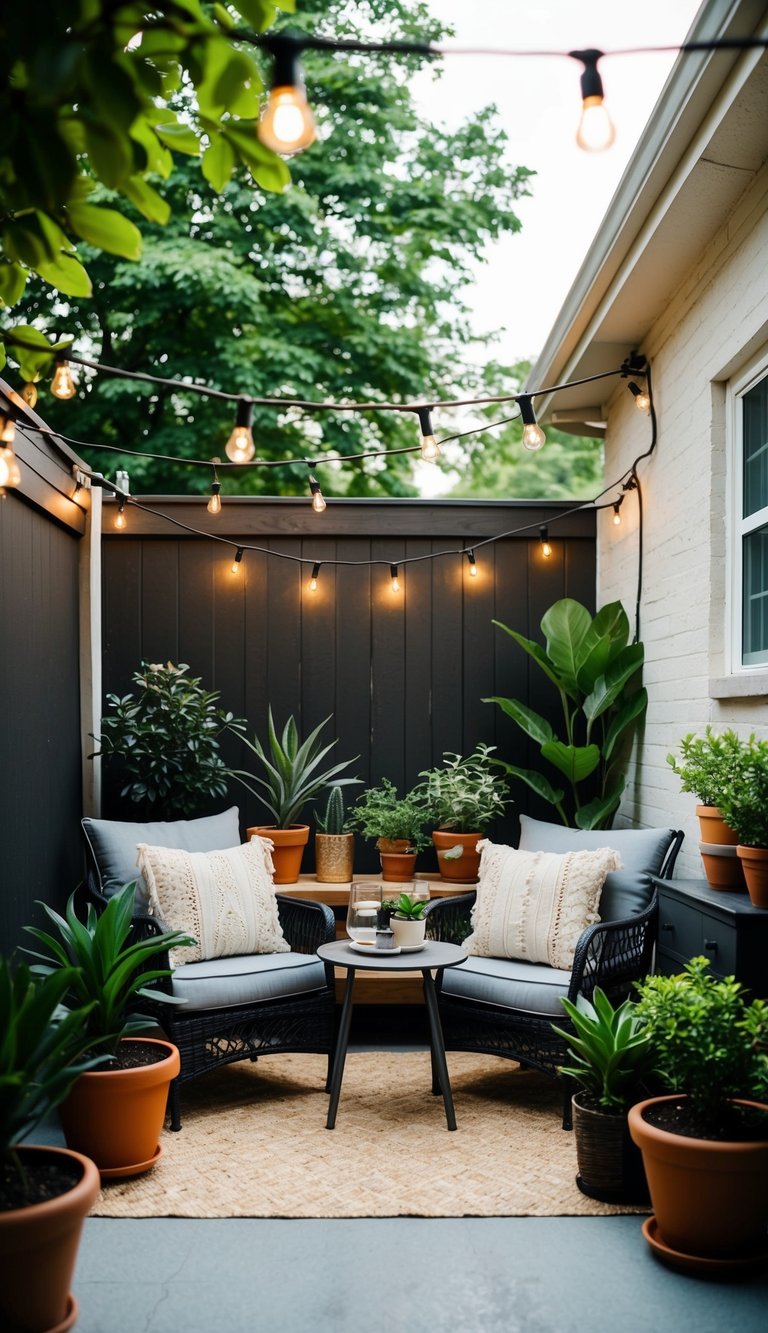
{"x": 346, "y": 286}
{"x": 495, "y": 462}
{"x": 85, "y": 89}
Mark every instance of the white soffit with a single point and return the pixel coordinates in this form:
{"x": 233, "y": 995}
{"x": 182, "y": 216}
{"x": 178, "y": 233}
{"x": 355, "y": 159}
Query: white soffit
{"x": 704, "y": 143}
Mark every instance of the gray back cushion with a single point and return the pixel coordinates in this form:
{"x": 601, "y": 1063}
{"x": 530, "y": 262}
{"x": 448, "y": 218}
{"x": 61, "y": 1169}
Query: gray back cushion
{"x": 113, "y": 844}
{"x": 642, "y": 850}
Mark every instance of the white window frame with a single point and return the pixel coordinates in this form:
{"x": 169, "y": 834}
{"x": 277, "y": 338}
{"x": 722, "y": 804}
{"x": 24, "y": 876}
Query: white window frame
{"x": 740, "y": 526}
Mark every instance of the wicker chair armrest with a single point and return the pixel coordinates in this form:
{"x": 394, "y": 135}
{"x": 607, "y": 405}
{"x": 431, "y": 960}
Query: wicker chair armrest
{"x": 306, "y": 925}
{"x": 448, "y": 919}
{"x": 614, "y": 954}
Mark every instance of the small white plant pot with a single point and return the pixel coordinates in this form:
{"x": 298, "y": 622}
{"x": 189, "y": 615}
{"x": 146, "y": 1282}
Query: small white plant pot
{"x": 408, "y": 934}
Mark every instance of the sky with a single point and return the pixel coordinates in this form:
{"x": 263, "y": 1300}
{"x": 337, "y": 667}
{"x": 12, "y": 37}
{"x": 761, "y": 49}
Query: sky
{"x": 527, "y": 277}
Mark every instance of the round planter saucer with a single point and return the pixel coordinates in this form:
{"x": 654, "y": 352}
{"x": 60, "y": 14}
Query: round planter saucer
{"x": 70, "y": 1318}
{"x": 116, "y": 1172}
{"x": 702, "y": 1265}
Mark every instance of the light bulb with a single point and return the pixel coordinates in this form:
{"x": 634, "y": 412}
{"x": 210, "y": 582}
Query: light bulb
{"x": 240, "y": 447}
{"x": 472, "y": 564}
{"x": 430, "y": 449}
{"x": 120, "y": 519}
{"x": 617, "y": 514}
{"x": 533, "y": 435}
{"x": 62, "y": 384}
{"x": 7, "y": 430}
{"x": 546, "y": 549}
{"x": 236, "y": 562}
{"x": 29, "y": 394}
{"x": 313, "y": 578}
{"x": 214, "y": 504}
{"x": 395, "y": 584}
{"x": 9, "y": 468}
{"x": 596, "y": 131}
{"x": 641, "y": 396}
{"x": 318, "y": 499}
{"x": 287, "y": 124}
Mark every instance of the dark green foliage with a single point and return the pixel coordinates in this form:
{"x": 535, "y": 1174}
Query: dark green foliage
{"x": 291, "y": 768}
{"x": 167, "y": 737}
{"x": 594, "y": 670}
{"x": 709, "y": 764}
{"x": 465, "y": 793}
{"x": 381, "y": 813}
{"x": 407, "y": 908}
{"x": 104, "y": 973}
{"x": 611, "y": 1053}
{"x": 743, "y": 798}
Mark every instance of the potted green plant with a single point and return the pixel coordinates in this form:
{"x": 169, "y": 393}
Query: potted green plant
{"x": 595, "y": 671}
{"x": 292, "y": 776}
{"x": 611, "y": 1059}
{"x": 707, "y": 766}
{"x": 166, "y": 737}
{"x": 396, "y": 823}
{"x": 462, "y": 796}
{"x": 113, "y": 1114}
{"x": 705, "y": 1143}
{"x": 45, "y": 1193}
{"x": 408, "y": 921}
{"x": 744, "y": 805}
{"x": 334, "y": 844}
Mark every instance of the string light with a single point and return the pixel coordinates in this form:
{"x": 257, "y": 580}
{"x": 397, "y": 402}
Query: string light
{"x": 10, "y": 474}
{"x": 29, "y": 394}
{"x": 62, "y": 384}
{"x": 472, "y": 564}
{"x": 314, "y": 576}
{"x": 120, "y": 520}
{"x": 546, "y": 548}
{"x": 641, "y": 396}
{"x": 430, "y": 449}
{"x": 236, "y": 562}
{"x": 214, "y": 504}
{"x": 533, "y": 435}
{"x": 7, "y": 429}
{"x": 318, "y": 499}
{"x": 616, "y": 520}
{"x": 596, "y": 130}
{"x": 395, "y": 582}
{"x": 240, "y": 447}
{"x": 287, "y": 124}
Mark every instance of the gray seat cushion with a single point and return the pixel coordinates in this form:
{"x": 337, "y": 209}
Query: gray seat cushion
{"x": 642, "y": 850}
{"x": 113, "y": 844}
{"x": 505, "y": 981}
{"x": 222, "y": 982}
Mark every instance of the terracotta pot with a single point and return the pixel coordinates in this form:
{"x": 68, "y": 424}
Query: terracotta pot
{"x": 397, "y": 867}
{"x": 462, "y": 869}
{"x": 722, "y": 866}
{"x": 334, "y": 857}
{"x": 115, "y": 1116}
{"x": 710, "y": 1198}
{"x": 713, "y": 826}
{"x": 38, "y": 1249}
{"x": 408, "y": 934}
{"x": 610, "y": 1164}
{"x": 754, "y": 863}
{"x": 287, "y": 850}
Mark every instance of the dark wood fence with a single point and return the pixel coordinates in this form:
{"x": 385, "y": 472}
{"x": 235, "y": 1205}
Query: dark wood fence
{"x": 402, "y": 674}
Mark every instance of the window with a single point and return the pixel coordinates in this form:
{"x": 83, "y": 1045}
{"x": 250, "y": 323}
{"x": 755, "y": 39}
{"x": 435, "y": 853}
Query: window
{"x": 750, "y": 562}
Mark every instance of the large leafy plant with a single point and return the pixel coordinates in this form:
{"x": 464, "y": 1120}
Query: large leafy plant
{"x": 292, "y": 770}
{"x": 710, "y": 764}
{"x": 709, "y": 1042}
{"x": 610, "y": 1051}
{"x": 594, "y": 669}
{"x": 384, "y": 816}
{"x": 105, "y": 974}
{"x": 167, "y": 738}
{"x": 464, "y": 794}
{"x": 42, "y": 1049}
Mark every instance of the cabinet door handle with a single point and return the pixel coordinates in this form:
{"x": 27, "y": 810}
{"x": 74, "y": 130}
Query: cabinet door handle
{"x": 667, "y": 925}
{"x": 710, "y": 946}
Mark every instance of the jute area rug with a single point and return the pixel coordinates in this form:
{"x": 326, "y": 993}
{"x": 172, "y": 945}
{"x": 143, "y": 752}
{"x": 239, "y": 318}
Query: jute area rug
{"x": 254, "y": 1144}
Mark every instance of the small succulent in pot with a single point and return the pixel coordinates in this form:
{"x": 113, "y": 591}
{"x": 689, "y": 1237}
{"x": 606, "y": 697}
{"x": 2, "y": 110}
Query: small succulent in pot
{"x": 407, "y": 908}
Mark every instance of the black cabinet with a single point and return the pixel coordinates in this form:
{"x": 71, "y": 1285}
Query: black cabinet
{"x": 724, "y": 927}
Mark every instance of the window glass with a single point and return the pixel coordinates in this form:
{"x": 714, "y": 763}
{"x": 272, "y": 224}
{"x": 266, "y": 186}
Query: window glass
{"x": 755, "y": 409}
{"x": 755, "y": 597}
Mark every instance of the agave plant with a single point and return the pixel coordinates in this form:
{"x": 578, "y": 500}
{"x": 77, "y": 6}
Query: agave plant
{"x": 595, "y": 671}
{"x": 611, "y": 1052}
{"x": 292, "y": 773}
{"x": 103, "y": 973}
{"x": 42, "y": 1049}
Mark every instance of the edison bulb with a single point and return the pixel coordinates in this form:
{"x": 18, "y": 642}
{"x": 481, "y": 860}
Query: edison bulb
{"x": 287, "y": 124}
{"x": 240, "y": 447}
{"x": 395, "y": 583}
{"x": 643, "y": 402}
{"x": 214, "y": 504}
{"x": 318, "y": 502}
{"x": 8, "y": 430}
{"x": 473, "y": 570}
{"x": 546, "y": 549}
{"x": 533, "y": 437}
{"x": 62, "y": 384}
{"x": 313, "y": 583}
{"x": 596, "y": 130}
{"x": 120, "y": 520}
{"x": 29, "y": 394}
{"x": 430, "y": 449}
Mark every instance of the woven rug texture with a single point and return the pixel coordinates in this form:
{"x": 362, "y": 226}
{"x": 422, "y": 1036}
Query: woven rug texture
{"x": 254, "y": 1144}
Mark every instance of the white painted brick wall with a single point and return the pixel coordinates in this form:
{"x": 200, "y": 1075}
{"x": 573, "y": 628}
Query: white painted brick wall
{"x": 714, "y": 324}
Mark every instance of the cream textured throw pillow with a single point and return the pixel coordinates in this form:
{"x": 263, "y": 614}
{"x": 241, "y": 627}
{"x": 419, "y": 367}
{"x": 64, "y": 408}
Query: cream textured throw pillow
{"x": 225, "y": 899}
{"x": 534, "y": 905}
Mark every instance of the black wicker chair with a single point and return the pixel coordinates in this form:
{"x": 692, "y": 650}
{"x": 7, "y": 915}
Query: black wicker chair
{"x": 286, "y": 1001}
{"x": 613, "y": 955}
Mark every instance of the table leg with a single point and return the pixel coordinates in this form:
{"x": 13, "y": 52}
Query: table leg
{"x": 439, "y": 1065}
{"x": 340, "y": 1054}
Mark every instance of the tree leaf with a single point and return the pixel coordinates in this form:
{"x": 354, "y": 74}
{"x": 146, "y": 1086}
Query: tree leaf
{"x": 597, "y": 813}
{"x": 12, "y": 282}
{"x": 633, "y": 708}
{"x": 533, "y": 724}
{"x": 218, "y": 162}
{"x": 565, "y": 627}
{"x": 576, "y": 762}
{"x": 181, "y": 138}
{"x": 150, "y": 204}
{"x": 606, "y": 636}
{"x": 537, "y": 782}
{"x": 535, "y": 651}
{"x": 67, "y": 275}
{"x": 106, "y": 229}
{"x": 608, "y": 687}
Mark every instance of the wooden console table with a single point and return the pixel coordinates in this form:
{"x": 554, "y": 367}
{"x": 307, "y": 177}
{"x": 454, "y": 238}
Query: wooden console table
{"x": 377, "y": 986}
